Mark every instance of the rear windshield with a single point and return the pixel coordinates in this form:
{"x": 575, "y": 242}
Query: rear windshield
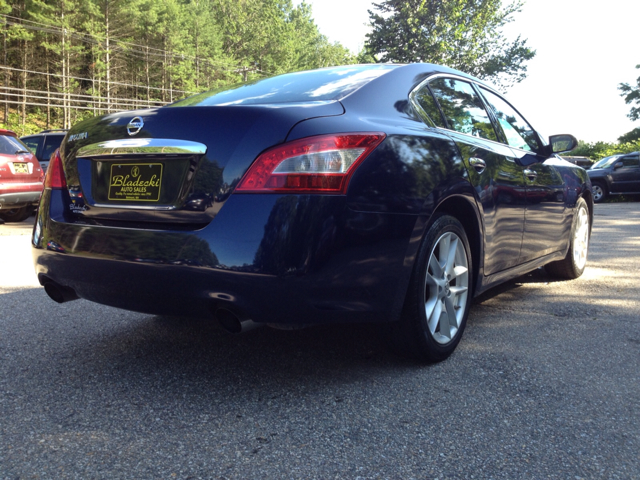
{"x": 11, "y": 146}
{"x": 309, "y": 86}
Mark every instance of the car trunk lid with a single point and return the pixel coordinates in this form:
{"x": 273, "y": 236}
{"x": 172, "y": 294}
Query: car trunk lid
{"x": 171, "y": 165}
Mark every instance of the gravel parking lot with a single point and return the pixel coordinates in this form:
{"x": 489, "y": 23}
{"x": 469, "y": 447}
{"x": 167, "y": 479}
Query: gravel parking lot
{"x": 545, "y": 384}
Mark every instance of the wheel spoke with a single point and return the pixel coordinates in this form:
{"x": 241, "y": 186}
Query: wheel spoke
{"x": 452, "y": 319}
{"x": 445, "y": 326}
{"x": 457, "y": 291}
{"x": 444, "y": 247}
{"x": 430, "y": 306}
{"x": 434, "y": 319}
{"x": 451, "y": 256}
{"x": 436, "y": 270}
{"x": 459, "y": 271}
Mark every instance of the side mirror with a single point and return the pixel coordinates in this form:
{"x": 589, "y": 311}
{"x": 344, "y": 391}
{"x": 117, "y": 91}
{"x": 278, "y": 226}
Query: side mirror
{"x": 618, "y": 165}
{"x": 562, "y": 143}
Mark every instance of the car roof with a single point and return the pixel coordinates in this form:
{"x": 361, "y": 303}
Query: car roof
{"x": 10, "y": 133}
{"x": 60, "y": 131}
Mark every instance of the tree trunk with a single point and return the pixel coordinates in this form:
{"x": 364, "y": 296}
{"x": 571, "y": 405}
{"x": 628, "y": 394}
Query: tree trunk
{"x": 108, "y": 56}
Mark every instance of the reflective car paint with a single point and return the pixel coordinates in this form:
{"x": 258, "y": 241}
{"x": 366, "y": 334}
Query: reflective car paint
{"x": 297, "y": 259}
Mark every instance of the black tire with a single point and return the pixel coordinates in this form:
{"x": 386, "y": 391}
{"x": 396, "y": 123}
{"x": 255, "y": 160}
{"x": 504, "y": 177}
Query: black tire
{"x": 573, "y": 265}
{"x": 16, "y": 214}
{"x": 432, "y": 337}
{"x": 599, "y": 191}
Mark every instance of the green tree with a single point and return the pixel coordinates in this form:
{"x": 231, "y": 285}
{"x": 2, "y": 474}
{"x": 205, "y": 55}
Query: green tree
{"x": 631, "y": 96}
{"x": 462, "y": 34}
{"x": 598, "y": 150}
{"x": 312, "y": 49}
{"x": 632, "y": 136}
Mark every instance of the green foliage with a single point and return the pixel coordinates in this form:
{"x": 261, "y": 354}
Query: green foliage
{"x": 107, "y": 55}
{"x": 631, "y": 136}
{"x": 32, "y": 124}
{"x": 598, "y": 150}
{"x": 462, "y": 34}
{"x": 631, "y": 96}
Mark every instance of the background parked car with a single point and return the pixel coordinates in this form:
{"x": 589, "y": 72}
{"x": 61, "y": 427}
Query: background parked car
{"x": 21, "y": 178}
{"x": 43, "y": 144}
{"x": 615, "y": 175}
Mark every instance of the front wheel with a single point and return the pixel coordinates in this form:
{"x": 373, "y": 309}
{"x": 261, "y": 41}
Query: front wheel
{"x": 437, "y": 304}
{"x": 573, "y": 265}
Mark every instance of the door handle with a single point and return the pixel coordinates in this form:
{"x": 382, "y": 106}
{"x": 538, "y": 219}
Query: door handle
{"x": 478, "y": 164}
{"x": 530, "y": 174}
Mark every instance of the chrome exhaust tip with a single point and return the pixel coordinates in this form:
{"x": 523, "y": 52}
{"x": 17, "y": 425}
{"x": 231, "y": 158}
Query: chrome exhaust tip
{"x": 232, "y": 323}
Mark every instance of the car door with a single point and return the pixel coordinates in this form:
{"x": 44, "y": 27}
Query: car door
{"x": 493, "y": 170}
{"x": 546, "y": 220}
{"x": 626, "y": 179}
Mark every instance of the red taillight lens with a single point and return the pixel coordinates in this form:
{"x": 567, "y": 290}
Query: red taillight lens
{"x": 322, "y": 164}
{"x": 55, "y": 173}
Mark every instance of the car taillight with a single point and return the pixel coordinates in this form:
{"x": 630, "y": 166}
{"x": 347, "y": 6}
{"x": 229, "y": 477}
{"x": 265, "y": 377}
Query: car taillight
{"x": 55, "y": 173}
{"x": 322, "y": 164}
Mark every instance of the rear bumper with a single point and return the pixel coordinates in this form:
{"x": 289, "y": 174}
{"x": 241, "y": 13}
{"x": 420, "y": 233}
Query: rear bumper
{"x": 19, "y": 195}
{"x": 274, "y": 259}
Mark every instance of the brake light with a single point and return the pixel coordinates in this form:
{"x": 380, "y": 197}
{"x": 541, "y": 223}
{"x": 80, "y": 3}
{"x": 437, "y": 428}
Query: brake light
{"x": 322, "y": 164}
{"x": 55, "y": 173}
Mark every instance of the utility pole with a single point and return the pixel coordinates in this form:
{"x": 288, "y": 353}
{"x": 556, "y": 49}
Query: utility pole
{"x": 245, "y": 72}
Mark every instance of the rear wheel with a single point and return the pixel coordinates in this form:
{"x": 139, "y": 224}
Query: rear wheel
{"x": 437, "y": 304}
{"x": 17, "y": 214}
{"x": 599, "y": 192}
{"x": 573, "y": 265}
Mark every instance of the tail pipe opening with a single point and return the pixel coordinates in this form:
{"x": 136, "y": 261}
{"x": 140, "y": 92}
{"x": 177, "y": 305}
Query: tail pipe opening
{"x": 59, "y": 293}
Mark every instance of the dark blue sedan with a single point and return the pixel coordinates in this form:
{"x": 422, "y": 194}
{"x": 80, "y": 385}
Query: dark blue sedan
{"x": 371, "y": 193}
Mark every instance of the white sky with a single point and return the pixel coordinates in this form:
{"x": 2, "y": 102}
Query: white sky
{"x": 584, "y": 50}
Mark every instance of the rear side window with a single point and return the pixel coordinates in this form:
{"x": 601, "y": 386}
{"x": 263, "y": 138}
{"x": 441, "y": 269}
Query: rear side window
{"x": 428, "y": 104}
{"x": 11, "y": 145}
{"x": 33, "y": 143}
{"x": 518, "y": 132}
{"x": 463, "y": 108}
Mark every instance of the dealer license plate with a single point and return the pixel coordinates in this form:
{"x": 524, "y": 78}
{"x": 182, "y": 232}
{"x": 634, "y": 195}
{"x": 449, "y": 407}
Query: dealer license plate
{"x": 139, "y": 182}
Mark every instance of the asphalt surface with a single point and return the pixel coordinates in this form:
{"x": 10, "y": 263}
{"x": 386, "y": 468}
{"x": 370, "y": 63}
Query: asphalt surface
{"x": 545, "y": 384}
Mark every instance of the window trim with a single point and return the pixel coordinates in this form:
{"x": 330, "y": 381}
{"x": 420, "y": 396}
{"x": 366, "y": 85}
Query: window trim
{"x": 476, "y": 84}
{"x": 495, "y": 120}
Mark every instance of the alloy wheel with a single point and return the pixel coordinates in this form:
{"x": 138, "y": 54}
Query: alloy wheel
{"x": 581, "y": 238}
{"x": 446, "y": 287}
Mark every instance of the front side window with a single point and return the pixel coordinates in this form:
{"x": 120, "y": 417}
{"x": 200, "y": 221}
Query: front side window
{"x": 463, "y": 108}
{"x": 630, "y": 161}
{"x": 518, "y": 132}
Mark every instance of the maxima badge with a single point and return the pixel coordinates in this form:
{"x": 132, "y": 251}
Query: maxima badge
{"x": 134, "y": 126}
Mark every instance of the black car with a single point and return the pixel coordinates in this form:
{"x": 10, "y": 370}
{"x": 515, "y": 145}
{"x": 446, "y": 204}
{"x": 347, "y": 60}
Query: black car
{"x": 615, "y": 175}
{"x": 43, "y": 144}
{"x": 375, "y": 193}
